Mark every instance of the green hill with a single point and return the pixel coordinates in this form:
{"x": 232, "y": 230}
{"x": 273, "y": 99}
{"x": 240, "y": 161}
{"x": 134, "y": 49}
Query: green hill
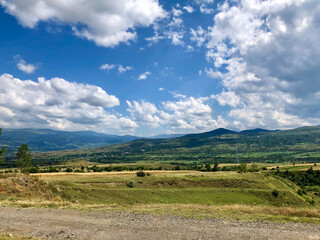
{"x": 42, "y": 140}
{"x": 222, "y": 145}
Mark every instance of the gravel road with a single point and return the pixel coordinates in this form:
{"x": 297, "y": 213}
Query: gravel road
{"x": 69, "y": 224}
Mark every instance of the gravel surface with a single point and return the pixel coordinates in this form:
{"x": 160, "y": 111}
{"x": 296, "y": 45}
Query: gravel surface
{"x": 69, "y": 224}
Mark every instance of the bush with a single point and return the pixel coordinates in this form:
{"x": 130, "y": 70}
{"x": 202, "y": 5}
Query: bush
{"x": 275, "y": 193}
{"x": 131, "y": 183}
{"x": 34, "y": 170}
{"x": 141, "y": 174}
{"x": 69, "y": 170}
{"x": 148, "y": 174}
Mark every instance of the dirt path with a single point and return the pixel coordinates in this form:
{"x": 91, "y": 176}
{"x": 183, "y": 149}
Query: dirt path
{"x": 67, "y": 224}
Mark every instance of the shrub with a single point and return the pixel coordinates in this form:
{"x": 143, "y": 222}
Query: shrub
{"x": 148, "y": 174}
{"x": 69, "y": 170}
{"x": 34, "y": 170}
{"x": 131, "y": 183}
{"x": 141, "y": 174}
{"x": 275, "y": 193}
{"x": 242, "y": 167}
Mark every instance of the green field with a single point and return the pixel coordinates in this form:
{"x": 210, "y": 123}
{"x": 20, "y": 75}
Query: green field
{"x": 245, "y": 196}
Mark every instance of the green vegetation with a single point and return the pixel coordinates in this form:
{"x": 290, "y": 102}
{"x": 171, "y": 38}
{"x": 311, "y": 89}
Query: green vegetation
{"x": 309, "y": 179}
{"x": 246, "y": 195}
{"x": 24, "y": 158}
{"x": 221, "y": 145}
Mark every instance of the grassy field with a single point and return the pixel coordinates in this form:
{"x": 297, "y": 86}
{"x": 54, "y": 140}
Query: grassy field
{"x": 230, "y": 195}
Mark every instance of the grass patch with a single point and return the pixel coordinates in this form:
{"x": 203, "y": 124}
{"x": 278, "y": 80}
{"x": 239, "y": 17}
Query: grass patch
{"x": 230, "y": 195}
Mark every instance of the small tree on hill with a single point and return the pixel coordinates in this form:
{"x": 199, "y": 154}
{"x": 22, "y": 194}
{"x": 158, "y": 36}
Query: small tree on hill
{"x": 242, "y": 167}
{"x": 208, "y": 167}
{"x": 24, "y": 158}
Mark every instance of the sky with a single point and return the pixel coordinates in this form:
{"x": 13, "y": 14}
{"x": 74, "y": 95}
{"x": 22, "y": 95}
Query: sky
{"x": 148, "y": 67}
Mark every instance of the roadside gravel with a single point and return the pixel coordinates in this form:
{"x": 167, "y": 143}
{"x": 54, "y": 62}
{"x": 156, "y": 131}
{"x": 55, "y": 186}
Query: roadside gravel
{"x": 70, "y": 224}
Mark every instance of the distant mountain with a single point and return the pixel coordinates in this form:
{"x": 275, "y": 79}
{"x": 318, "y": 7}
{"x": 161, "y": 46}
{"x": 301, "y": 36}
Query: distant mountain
{"x": 166, "y": 136}
{"x": 256, "y": 131}
{"x": 42, "y": 140}
{"x": 216, "y": 132}
{"x": 222, "y": 145}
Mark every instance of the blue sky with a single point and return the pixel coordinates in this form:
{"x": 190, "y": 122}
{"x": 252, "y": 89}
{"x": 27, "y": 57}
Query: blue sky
{"x": 150, "y": 67}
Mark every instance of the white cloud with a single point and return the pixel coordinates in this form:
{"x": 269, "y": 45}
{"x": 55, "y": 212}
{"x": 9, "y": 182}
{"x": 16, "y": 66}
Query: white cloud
{"x": 177, "y": 95}
{"x": 185, "y": 115}
{"x": 107, "y": 23}
{"x": 204, "y": 9}
{"x": 144, "y": 113}
{"x": 161, "y": 89}
{"x": 176, "y": 37}
{"x": 144, "y": 75}
{"x": 213, "y": 74}
{"x": 107, "y": 66}
{"x": 176, "y": 12}
{"x": 204, "y": 1}
{"x": 25, "y": 67}
{"x": 267, "y": 55}
{"x": 188, "y": 8}
{"x": 199, "y": 36}
{"x": 171, "y": 27}
{"x": 122, "y": 69}
{"x": 57, "y": 103}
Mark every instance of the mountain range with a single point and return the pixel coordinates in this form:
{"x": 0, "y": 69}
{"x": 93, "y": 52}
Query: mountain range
{"x": 222, "y": 145}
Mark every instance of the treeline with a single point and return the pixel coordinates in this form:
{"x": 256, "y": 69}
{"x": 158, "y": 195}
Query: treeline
{"x": 194, "y": 166}
{"x": 302, "y": 178}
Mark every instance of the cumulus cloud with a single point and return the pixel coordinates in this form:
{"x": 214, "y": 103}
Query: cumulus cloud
{"x": 145, "y": 113}
{"x": 267, "y": 55}
{"x": 57, "y": 103}
{"x": 107, "y": 23}
{"x": 144, "y": 75}
{"x": 183, "y": 115}
{"x": 25, "y": 67}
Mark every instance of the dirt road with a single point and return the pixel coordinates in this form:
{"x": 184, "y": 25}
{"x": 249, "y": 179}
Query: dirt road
{"x": 67, "y": 224}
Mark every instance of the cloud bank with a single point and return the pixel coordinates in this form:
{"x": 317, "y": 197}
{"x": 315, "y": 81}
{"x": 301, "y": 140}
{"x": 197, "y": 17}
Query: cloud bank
{"x": 266, "y": 54}
{"x": 107, "y": 23}
{"x": 58, "y": 104}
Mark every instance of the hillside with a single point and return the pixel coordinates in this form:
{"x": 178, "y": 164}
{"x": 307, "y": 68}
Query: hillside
{"x": 42, "y": 140}
{"x": 222, "y": 145}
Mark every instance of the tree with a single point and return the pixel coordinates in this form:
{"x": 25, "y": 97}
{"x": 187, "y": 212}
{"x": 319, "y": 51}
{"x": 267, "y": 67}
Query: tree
{"x": 24, "y": 158}
{"x": 2, "y": 151}
{"x": 215, "y": 167}
{"x": 242, "y": 167}
{"x": 208, "y": 167}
